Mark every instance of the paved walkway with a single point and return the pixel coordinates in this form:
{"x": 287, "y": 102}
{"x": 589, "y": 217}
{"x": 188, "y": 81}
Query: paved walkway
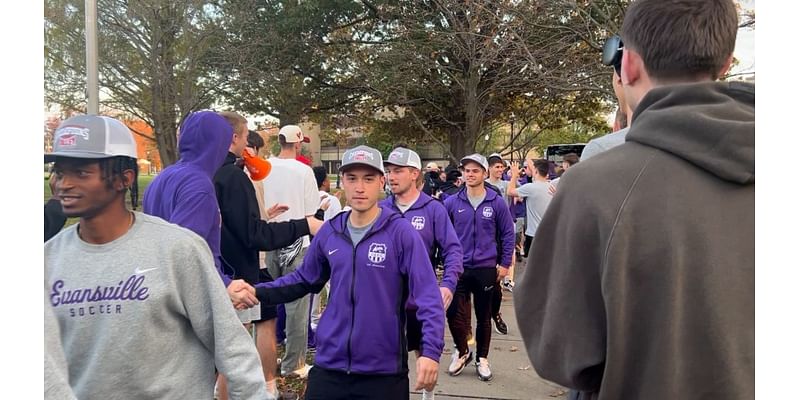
{"x": 514, "y": 378}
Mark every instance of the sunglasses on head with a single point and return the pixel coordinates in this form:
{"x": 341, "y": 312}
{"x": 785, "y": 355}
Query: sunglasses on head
{"x": 612, "y": 52}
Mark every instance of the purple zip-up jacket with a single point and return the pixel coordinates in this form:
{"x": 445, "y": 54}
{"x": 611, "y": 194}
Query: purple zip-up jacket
{"x": 486, "y": 233}
{"x": 429, "y": 218}
{"x": 363, "y": 328}
{"x": 183, "y": 193}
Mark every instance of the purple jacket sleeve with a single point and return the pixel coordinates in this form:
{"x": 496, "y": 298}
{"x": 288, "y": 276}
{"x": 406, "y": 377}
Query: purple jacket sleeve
{"x": 309, "y": 277}
{"x": 505, "y": 226}
{"x": 192, "y": 212}
{"x": 422, "y": 286}
{"x": 452, "y": 253}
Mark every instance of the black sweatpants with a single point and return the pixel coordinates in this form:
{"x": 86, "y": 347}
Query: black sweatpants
{"x": 497, "y": 298}
{"x": 478, "y": 282}
{"x": 336, "y": 385}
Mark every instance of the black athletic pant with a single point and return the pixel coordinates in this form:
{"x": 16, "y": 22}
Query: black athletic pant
{"x": 336, "y": 385}
{"x": 528, "y": 241}
{"x": 497, "y": 298}
{"x": 478, "y": 282}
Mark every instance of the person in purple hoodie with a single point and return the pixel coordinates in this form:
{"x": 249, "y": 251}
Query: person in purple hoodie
{"x": 375, "y": 260}
{"x": 485, "y": 228}
{"x": 429, "y": 218}
{"x": 184, "y": 194}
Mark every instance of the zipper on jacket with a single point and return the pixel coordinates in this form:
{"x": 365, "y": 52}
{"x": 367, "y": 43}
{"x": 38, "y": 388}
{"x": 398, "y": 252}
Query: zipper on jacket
{"x": 352, "y": 310}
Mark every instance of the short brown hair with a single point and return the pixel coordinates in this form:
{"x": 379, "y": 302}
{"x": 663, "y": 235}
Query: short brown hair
{"x": 571, "y": 158}
{"x": 681, "y": 39}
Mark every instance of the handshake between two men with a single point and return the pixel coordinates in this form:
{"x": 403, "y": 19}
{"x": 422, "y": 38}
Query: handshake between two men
{"x": 243, "y": 296}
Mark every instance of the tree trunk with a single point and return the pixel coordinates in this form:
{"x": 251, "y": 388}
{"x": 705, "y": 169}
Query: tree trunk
{"x": 165, "y": 132}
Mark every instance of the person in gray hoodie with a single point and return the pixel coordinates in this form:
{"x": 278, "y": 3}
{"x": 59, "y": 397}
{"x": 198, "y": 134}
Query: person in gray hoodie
{"x": 645, "y": 288}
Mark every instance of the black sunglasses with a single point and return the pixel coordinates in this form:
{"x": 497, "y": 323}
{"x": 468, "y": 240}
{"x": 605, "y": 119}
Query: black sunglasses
{"x": 612, "y": 52}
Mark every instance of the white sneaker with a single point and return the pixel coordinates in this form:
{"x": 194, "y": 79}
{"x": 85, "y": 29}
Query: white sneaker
{"x": 508, "y": 285}
{"x": 426, "y": 395}
{"x": 484, "y": 372}
{"x": 458, "y": 363}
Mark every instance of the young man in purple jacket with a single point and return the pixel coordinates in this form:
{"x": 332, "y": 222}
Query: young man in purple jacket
{"x": 429, "y": 219}
{"x": 485, "y": 228}
{"x": 375, "y": 260}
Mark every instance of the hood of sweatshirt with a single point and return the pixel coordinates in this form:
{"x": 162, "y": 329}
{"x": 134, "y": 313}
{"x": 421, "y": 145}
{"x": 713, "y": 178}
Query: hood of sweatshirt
{"x": 710, "y": 124}
{"x": 204, "y": 140}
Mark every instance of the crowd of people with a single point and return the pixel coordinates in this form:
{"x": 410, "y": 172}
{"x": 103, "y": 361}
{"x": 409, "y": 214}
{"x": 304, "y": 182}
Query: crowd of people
{"x": 639, "y": 254}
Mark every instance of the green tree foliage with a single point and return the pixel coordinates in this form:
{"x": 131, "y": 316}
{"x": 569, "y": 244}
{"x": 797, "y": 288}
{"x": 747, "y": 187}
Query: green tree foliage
{"x": 457, "y": 68}
{"x": 291, "y": 60}
{"x": 156, "y": 60}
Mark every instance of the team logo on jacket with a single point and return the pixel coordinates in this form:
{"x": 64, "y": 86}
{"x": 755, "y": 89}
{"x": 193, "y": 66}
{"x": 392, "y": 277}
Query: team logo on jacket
{"x": 377, "y": 253}
{"x": 487, "y": 212}
{"x": 418, "y": 222}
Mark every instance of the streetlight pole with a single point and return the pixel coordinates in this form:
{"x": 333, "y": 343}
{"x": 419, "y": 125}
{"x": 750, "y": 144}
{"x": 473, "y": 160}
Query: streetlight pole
{"x": 513, "y": 119}
{"x": 92, "y": 86}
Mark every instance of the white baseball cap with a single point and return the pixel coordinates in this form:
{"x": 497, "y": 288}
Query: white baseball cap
{"x": 293, "y": 134}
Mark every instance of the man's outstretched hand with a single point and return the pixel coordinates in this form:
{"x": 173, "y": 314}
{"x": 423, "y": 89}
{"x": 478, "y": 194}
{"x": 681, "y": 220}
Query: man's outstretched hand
{"x": 427, "y": 373}
{"x": 243, "y": 296}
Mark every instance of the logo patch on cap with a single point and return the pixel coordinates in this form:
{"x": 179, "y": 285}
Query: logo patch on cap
{"x": 67, "y": 135}
{"x": 362, "y": 155}
{"x": 396, "y": 155}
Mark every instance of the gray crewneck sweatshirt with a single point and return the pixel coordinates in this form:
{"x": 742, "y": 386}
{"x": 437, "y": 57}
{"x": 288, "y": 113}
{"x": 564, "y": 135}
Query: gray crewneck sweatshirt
{"x": 146, "y": 316}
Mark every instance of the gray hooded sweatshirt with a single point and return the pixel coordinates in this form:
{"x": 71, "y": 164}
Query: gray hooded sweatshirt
{"x": 645, "y": 288}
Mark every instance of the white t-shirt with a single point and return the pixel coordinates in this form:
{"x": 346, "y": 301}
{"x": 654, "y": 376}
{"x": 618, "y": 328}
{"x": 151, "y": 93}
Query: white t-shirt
{"x": 536, "y": 201}
{"x": 292, "y": 183}
{"x": 335, "y": 206}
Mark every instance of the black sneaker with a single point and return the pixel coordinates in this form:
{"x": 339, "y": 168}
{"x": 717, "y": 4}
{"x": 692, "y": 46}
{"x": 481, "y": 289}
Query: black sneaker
{"x": 500, "y": 325}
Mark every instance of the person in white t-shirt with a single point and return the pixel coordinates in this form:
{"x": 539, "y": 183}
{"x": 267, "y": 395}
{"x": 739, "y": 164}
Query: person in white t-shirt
{"x": 292, "y": 183}
{"x": 536, "y": 195}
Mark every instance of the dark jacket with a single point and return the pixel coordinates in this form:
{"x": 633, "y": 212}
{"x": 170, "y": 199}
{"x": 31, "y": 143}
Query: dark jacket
{"x": 183, "y": 193}
{"x": 54, "y": 218}
{"x": 645, "y": 289}
{"x": 244, "y": 233}
{"x": 363, "y": 329}
{"x": 486, "y": 233}
{"x": 432, "y": 183}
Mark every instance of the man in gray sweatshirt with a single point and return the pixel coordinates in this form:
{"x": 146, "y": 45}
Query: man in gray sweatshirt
{"x": 141, "y": 310}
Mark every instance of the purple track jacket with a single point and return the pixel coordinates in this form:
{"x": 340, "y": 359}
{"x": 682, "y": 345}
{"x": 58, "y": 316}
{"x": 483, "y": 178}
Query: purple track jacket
{"x": 486, "y": 233}
{"x": 363, "y": 328}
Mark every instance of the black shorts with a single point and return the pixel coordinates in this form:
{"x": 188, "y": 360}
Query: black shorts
{"x": 337, "y": 385}
{"x": 267, "y": 312}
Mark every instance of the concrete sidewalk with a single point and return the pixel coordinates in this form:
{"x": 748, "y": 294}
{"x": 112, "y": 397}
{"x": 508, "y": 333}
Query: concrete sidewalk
{"x": 514, "y": 377}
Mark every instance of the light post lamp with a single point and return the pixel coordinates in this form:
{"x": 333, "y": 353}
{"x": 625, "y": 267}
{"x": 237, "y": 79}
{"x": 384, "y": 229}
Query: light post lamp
{"x": 513, "y": 119}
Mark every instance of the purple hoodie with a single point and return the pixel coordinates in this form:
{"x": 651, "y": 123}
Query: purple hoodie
{"x": 429, "y": 218}
{"x": 183, "y": 193}
{"x": 483, "y": 231}
{"x": 363, "y": 328}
